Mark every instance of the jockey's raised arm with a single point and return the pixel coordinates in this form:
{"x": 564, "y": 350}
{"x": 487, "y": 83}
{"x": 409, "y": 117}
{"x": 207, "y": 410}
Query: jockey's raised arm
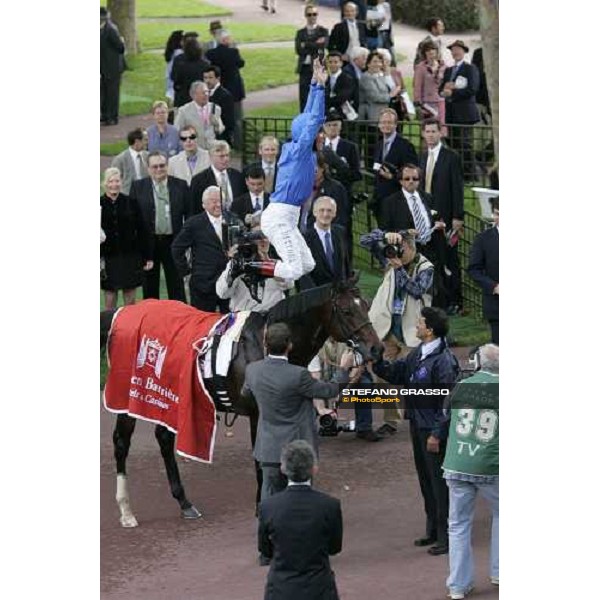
{"x": 296, "y": 171}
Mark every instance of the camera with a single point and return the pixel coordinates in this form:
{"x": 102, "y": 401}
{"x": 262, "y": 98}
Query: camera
{"x": 390, "y": 250}
{"x": 245, "y": 240}
{"x": 329, "y": 425}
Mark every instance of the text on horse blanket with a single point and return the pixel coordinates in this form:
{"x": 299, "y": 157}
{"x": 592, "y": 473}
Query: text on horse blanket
{"x": 154, "y": 374}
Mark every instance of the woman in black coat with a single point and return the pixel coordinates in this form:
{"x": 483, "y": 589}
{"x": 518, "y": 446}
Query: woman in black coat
{"x": 125, "y": 250}
{"x": 187, "y": 68}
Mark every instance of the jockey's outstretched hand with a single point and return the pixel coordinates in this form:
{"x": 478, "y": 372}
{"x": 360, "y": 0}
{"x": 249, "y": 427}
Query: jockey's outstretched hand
{"x": 319, "y": 72}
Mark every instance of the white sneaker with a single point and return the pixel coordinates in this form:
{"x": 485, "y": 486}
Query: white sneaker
{"x": 460, "y": 595}
{"x": 495, "y": 580}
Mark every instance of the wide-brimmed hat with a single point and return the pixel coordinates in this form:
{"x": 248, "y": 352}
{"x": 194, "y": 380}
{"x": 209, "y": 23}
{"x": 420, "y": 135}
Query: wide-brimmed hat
{"x": 459, "y": 43}
{"x": 215, "y": 26}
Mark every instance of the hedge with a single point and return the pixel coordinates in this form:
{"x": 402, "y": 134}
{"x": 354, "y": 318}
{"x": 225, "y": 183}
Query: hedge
{"x": 458, "y": 15}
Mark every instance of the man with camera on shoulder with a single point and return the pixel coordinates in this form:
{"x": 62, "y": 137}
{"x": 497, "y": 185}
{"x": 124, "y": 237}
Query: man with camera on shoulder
{"x": 246, "y": 290}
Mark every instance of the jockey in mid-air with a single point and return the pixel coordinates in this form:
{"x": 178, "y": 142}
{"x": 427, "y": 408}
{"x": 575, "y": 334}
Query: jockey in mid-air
{"x": 295, "y": 177}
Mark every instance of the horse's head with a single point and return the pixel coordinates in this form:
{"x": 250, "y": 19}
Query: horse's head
{"x": 350, "y": 319}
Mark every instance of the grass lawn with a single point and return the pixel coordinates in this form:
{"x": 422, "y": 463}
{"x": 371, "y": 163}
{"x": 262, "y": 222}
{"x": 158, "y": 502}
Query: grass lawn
{"x": 155, "y": 34}
{"x": 144, "y": 82}
{"x": 283, "y": 109}
{"x": 113, "y": 148}
{"x": 268, "y": 67}
{"x": 176, "y": 8}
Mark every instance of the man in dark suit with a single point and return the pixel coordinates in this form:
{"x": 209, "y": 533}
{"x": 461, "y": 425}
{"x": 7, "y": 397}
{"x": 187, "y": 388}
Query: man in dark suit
{"x": 300, "y": 528}
{"x": 443, "y": 179}
{"x": 347, "y": 172}
{"x": 164, "y": 204}
{"x": 349, "y": 33}
{"x": 459, "y": 86}
{"x": 230, "y": 62}
{"x": 230, "y": 180}
{"x": 112, "y": 49}
{"x": 255, "y": 200}
{"x": 310, "y": 40}
{"x": 411, "y": 210}
{"x": 361, "y": 6}
{"x": 223, "y": 98}
{"x": 390, "y": 154}
{"x": 327, "y": 244}
{"x": 324, "y": 185}
{"x": 203, "y": 233}
{"x": 484, "y": 268}
{"x": 339, "y": 88}
{"x": 284, "y": 395}
{"x": 268, "y": 151}
{"x": 355, "y": 68}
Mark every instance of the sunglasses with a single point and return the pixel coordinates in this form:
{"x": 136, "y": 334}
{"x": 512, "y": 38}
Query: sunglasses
{"x": 312, "y": 14}
{"x": 410, "y": 179}
{"x": 159, "y": 166}
{"x": 185, "y": 138}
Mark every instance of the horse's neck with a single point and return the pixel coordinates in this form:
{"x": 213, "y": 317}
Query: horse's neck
{"x": 309, "y": 333}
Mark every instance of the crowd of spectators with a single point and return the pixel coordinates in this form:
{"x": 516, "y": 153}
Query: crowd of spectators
{"x": 171, "y": 198}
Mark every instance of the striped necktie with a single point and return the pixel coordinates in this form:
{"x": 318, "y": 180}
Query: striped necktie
{"x": 420, "y": 224}
{"x": 329, "y": 250}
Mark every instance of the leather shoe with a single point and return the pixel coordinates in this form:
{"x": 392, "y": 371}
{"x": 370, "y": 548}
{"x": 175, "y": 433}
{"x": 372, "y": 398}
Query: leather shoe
{"x": 437, "y": 550}
{"x": 426, "y": 541}
{"x": 369, "y": 436}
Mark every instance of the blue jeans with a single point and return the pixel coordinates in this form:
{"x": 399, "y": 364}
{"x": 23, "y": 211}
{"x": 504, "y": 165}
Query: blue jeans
{"x": 460, "y": 524}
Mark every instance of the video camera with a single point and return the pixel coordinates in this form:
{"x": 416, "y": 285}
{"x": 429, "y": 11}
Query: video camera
{"x": 245, "y": 240}
{"x": 329, "y": 426}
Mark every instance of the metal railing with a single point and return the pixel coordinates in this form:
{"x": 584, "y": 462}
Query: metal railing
{"x": 473, "y": 143}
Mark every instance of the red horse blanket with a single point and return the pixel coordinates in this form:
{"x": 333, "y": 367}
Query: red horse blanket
{"x": 154, "y": 374}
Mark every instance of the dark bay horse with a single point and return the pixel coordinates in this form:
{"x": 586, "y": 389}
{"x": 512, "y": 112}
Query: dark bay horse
{"x": 336, "y": 311}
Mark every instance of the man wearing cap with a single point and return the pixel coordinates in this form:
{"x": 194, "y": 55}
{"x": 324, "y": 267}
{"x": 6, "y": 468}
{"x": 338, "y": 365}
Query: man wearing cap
{"x": 459, "y": 87}
{"x": 310, "y": 40}
{"x": 214, "y": 29}
{"x": 112, "y": 49}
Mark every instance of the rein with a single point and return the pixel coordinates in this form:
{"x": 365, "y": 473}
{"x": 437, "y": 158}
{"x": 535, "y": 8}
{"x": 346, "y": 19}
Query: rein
{"x": 347, "y": 333}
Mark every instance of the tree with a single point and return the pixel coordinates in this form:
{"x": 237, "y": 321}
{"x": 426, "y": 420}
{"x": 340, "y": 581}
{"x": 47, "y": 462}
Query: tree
{"x": 122, "y": 14}
{"x": 488, "y": 19}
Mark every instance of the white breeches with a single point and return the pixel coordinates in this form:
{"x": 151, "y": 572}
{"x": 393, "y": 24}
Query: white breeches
{"x": 279, "y": 222}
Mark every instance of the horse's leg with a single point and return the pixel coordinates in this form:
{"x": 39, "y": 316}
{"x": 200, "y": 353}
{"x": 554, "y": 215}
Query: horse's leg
{"x": 259, "y": 475}
{"x": 121, "y": 442}
{"x": 166, "y": 441}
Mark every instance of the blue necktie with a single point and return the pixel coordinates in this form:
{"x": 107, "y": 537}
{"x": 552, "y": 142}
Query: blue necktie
{"x": 256, "y": 204}
{"x": 454, "y": 72}
{"x": 329, "y": 250}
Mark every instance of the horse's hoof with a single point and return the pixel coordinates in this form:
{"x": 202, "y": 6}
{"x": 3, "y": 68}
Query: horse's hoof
{"x": 191, "y": 513}
{"x": 129, "y": 521}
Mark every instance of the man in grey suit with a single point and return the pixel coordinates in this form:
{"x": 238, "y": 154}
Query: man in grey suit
{"x": 133, "y": 162}
{"x": 202, "y": 115}
{"x": 284, "y": 395}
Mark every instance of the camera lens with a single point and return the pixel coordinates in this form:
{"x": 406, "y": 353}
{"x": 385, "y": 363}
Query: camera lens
{"x": 390, "y": 251}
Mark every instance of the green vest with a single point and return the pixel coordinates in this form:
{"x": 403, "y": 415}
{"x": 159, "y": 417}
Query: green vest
{"x": 473, "y": 440}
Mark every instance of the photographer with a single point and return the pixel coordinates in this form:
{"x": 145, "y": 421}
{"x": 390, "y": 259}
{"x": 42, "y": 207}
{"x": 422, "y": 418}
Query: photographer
{"x": 406, "y": 288}
{"x": 236, "y": 286}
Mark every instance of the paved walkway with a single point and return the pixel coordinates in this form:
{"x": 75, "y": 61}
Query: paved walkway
{"x": 290, "y": 12}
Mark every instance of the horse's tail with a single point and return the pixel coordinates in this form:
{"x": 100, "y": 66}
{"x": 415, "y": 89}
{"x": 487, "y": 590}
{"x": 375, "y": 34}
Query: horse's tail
{"x": 106, "y": 318}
